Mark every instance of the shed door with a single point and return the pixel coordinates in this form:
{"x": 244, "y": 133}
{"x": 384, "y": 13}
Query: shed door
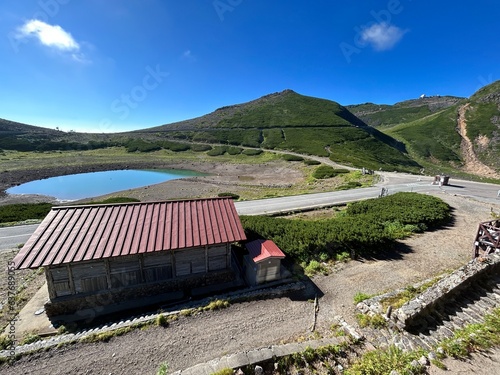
{"x": 190, "y": 261}
{"x": 217, "y": 258}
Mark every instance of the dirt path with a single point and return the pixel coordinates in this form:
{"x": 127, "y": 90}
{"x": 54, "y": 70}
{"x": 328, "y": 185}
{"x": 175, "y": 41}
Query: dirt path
{"x": 248, "y": 325}
{"x": 472, "y": 163}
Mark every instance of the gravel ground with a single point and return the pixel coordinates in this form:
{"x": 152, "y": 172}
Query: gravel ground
{"x": 243, "y": 326}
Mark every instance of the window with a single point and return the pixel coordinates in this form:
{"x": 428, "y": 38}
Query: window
{"x": 90, "y": 277}
{"x": 157, "y": 267}
{"x": 217, "y": 258}
{"x": 125, "y": 271}
{"x": 60, "y": 280}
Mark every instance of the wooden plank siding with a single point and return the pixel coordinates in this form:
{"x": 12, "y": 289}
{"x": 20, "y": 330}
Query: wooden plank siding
{"x": 135, "y": 270}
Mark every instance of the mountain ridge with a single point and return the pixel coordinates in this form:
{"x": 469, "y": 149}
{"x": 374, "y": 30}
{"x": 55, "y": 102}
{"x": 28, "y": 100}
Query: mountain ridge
{"x": 423, "y": 130}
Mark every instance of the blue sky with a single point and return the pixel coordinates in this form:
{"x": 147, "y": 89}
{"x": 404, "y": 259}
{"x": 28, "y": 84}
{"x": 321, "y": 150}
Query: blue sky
{"x": 110, "y": 65}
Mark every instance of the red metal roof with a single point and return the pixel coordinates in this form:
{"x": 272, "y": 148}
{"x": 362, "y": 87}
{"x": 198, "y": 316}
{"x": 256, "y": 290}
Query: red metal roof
{"x": 78, "y": 233}
{"x": 261, "y": 250}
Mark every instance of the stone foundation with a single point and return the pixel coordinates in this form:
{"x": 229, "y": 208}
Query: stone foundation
{"x": 87, "y": 307}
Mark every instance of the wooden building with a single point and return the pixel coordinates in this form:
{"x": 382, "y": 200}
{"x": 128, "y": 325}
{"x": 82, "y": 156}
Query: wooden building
{"x": 103, "y": 258}
{"x": 263, "y": 262}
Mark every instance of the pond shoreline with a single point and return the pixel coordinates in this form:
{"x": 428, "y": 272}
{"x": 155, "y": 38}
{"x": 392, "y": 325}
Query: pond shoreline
{"x": 13, "y": 178}
{"x": 250, "y": 180}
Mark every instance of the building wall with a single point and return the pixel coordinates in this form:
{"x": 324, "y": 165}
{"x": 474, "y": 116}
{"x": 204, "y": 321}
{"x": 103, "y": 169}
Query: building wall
{"x": 133, "y": 276}
{"x": 258, "y": 273}
{"x": 268, "y": 270}
{"x": 88, "y": 306}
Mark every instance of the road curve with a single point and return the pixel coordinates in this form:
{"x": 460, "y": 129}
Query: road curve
{"x": 392, "y": 181}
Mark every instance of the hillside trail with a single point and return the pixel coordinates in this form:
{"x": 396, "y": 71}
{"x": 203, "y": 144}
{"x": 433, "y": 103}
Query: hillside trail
{"x": 472, "y": 164}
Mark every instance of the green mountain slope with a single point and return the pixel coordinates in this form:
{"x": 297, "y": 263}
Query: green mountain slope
{"x": 294, "y": 122}
{"x": 402, "y": 112}
{"x": 483, "y": 124}
{"x": 433, "y": 138}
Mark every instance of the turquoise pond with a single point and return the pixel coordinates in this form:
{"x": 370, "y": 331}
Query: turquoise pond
{"x": 88, "y": 185}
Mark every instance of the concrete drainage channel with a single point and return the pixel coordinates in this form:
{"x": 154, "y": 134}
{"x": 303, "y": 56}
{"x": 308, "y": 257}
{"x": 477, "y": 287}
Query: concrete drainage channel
{"x": 274, "y": 290}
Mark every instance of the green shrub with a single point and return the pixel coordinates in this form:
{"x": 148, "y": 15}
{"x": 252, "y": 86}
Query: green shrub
{"x": 175, "y": 146}
{"x": 343, "y": 256}
{"x": 217, "y": 151}
{"x": 230, "y": 195}
{"x": 350, "y": 185}
{"x": 404, "y": 208}
{"x": 324, "y": 172}
{"x": 289, "y": 157}
{"x": 200, "y": 148}
{"x": 361, "y": 227}
{"x": 140, "y": 145}
{"x": 23, "y": 211}
{"x": 311, "y": 162}
{"x": 252, "y": 152}
{"x": 234, "y": 150}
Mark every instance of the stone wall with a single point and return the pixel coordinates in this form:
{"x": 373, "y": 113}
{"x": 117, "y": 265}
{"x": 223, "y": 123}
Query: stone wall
{"x": 410, "y": 315}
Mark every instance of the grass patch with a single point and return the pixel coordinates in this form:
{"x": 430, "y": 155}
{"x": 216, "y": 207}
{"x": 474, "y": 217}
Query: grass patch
{"x": 225, "y": 371}
{"x": 375, "y": 321}
{"x": 360, "y": 297}
{"x": 409, "y": 293}
{"x": 196, "y": 147}
{"x": 162, "y": 320}
{"x": 384, "y": 361}
{"x": 106, "y": 336}
{"x": 30, "y": 338}
{"x": 5, "y": 342}
{"x": 314, "y": 267}
{"x": 163, "y": 369}
{"x": 474, "y": 337}
{"x": 217, "y": 304}
{"x": 317, "y": 361}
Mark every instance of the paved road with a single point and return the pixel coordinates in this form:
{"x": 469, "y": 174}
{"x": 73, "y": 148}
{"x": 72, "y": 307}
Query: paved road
{"x": 11, "y": 237}
{"x": 394, "y": 182}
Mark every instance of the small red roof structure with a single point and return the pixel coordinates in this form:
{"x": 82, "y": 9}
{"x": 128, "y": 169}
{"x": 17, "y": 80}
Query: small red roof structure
{"x": 92, "y": 232}
{"x": 260, "y": 250}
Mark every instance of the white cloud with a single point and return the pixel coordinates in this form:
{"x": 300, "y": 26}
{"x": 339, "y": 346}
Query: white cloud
{"x": 188, "y": 55}
{"x": 53, "y": 36}
{"x": 382, "y": 36}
